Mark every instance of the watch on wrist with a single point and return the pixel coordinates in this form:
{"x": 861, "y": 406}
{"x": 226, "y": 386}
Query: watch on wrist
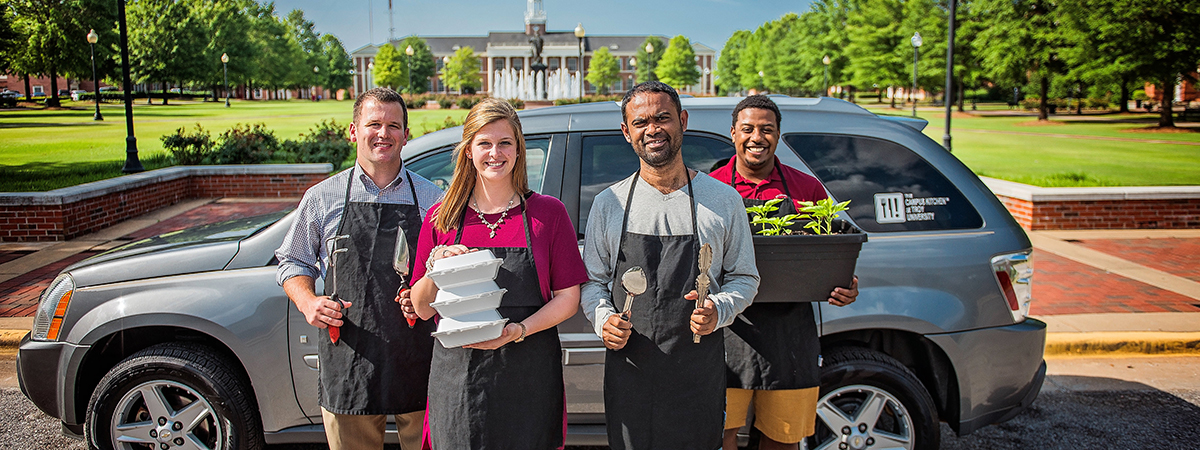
{"x": 523, "y": 331}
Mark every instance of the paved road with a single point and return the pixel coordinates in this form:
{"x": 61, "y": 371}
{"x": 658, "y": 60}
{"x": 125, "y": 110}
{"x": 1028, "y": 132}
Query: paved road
{"x": 1094, "y": 403}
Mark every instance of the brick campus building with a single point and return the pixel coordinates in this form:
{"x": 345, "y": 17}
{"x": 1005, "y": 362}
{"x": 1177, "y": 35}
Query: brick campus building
{"x": 504, "y": 49}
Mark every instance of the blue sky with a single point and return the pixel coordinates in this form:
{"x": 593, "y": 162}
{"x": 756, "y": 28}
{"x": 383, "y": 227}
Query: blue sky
{"x": 710, "y": 22}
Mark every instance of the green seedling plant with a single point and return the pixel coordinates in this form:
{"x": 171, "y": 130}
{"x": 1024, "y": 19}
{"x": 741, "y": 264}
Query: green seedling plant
{"x": 821, "y": 214}
{"x": 771, "y": 226}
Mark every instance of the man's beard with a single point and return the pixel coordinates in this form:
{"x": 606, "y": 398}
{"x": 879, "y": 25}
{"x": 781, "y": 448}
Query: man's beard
{"x": 660, "y": 158}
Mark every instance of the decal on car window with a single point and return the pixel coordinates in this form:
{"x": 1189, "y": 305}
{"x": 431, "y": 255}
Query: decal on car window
{"x": 901, "y": 207}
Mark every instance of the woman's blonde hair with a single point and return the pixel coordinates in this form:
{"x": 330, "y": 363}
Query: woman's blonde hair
{"x": 454, "y": 203}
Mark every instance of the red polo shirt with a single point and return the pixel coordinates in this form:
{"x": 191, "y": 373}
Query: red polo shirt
{"x": 803, "y": 187}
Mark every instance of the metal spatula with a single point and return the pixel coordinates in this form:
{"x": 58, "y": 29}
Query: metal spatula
{"x": 400, "y": 265}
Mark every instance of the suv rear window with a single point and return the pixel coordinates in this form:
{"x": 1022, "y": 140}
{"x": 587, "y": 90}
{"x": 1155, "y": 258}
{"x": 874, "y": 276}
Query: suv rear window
{"x": 892, "y": 188}
{"x": 608, "y": 159}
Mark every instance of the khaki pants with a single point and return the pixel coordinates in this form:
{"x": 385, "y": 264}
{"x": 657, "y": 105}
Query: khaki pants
{"x": 351, "y": 432}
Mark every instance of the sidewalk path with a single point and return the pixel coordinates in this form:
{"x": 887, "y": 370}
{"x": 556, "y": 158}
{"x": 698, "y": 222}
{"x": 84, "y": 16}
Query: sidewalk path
{"x": 27, "y": 269}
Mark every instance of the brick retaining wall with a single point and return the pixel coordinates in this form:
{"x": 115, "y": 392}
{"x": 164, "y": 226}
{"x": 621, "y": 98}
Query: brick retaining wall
{"x": 1144, "y": 207}
{"x": 66, "y": 213}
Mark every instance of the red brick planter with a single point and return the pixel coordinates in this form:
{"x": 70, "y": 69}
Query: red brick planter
{"x": 1142, "y": 207}
{"x": 66, "y": 213}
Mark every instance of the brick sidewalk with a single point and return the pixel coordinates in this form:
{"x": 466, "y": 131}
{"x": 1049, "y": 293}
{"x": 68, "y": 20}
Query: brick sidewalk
{"x": 1063, "y": 286}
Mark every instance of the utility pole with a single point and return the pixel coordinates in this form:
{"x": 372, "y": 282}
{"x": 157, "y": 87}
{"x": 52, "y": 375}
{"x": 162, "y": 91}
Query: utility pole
{"x": 391, "y": 23}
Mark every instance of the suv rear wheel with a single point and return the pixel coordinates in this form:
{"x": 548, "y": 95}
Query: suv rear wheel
{"x": 871, "y": 401}
{"x": 173, "y": 396}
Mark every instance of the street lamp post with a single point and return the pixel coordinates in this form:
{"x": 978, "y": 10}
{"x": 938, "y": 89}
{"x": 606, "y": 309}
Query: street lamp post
{"x": 949, "y": 75}
{"x": 445, "y": 69}
{"x": 92, "y": 38}
{"x": 225, "y": 68}
{"x": 650, "y": 55}
{"x": 409, "y": 51}
{"x": 916, "y": 44}
{"x": 316, "y": 73}
{"x": 132, "y": 164}
{"x": 370, "y": 77}
{"x": 579, "y": 34}
{"x": 826, "y": 61}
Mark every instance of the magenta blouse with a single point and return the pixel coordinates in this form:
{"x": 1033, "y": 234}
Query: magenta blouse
{"x": 555, "y": 248}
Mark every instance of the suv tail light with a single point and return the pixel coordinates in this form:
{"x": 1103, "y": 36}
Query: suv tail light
{"x": 1014, "y": 274}
{"x": 52, "y": 308}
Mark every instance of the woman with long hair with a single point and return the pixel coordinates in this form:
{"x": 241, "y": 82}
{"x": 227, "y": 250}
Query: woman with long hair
{"x": 507, "y": 392}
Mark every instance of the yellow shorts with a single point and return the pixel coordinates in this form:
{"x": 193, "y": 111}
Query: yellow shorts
{"x": 786, "y": 416}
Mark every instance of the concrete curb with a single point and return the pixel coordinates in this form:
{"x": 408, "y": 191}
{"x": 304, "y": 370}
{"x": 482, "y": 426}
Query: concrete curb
{"x": 10, "y": 339}
{"x": 1127, "y": 342}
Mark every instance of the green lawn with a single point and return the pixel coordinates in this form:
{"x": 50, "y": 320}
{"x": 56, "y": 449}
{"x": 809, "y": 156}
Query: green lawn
{"x": 1092, "y": 150}
{"x": 42, "y": 150}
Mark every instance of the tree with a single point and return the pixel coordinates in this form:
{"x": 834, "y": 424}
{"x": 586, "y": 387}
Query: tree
{"x": 230, "y": 24}
{"x": 727, "y": 65}
{"x": 390, "y": 69}
{"x": 647, "y": 62}
{"x": 604, "y": 70}
{"x": 422, "y": 64}
{"x": 748, "y": 60}
{"x": 677, "y": 68}
{"x": 54, "y": 33}
{"x": 880, "y": 49}
{"x": 165, "y": 42}
{"x": 1133, "y": 40}
{"x": 1023, "y": 44}
{"x": 308, "y": 71}
{"x": 335, "y": 58}
{"x": 278, "y": 54}
{"x": 462, "y": 72}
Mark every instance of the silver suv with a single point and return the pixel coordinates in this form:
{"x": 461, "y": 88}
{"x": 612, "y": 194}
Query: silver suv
{"x": 186, "y": 338}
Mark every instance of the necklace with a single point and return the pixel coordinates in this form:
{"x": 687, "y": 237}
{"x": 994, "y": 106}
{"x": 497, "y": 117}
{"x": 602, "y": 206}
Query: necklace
{"x": 492, "y": 226}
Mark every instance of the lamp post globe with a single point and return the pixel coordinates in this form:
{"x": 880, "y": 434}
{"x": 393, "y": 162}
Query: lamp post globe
{"x": 225, "y": 68}
{"x": 580, "y": 33}
{"x": 916, "y": 45}
{"x": 826, "y": 61}
{"x": 409, "y": 52}
{"x": 92, "y": 39}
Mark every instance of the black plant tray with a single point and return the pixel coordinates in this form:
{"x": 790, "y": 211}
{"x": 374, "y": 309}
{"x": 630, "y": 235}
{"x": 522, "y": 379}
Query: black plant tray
{"x": 805, "y": 268}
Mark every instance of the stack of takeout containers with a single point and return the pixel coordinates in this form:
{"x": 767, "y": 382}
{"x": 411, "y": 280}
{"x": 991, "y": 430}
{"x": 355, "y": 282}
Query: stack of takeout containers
{"x": 467, "y": 298}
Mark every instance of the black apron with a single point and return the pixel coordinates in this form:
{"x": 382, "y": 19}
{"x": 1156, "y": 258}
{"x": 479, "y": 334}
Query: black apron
{"x": 379, "y": 365}
{"x": 773, "y": 346}
{"x": 661, "y": 391}
{"x": 508, "y": 398}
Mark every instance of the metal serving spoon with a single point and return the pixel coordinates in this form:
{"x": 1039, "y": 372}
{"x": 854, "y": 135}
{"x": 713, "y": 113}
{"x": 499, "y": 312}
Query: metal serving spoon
{"x": 634, "y": 283}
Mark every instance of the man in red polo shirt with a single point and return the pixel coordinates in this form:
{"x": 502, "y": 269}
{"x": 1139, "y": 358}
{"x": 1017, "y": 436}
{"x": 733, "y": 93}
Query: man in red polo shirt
{"x": 772, "y": 349}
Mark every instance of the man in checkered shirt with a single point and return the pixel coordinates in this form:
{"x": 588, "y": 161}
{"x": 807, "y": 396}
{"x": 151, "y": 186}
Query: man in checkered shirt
{"x": 373, "y": 363}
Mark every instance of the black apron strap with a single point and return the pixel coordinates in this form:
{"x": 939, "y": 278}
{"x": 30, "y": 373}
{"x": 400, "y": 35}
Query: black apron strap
{"x": 524, "y": 219}
{"x": 629, "y": 201}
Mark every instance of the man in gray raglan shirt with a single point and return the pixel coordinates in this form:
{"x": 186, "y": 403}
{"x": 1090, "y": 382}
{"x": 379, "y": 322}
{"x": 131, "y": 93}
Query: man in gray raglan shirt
{"x": 661, "y": 390}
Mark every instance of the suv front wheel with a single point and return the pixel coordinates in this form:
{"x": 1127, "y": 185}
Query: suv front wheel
{"x": 871, "y": 401}
{"x": 173, "y": 396}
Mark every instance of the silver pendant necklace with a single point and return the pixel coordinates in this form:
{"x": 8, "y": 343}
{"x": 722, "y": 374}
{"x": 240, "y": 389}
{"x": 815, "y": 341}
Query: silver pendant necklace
{"x": 492, "y": 226}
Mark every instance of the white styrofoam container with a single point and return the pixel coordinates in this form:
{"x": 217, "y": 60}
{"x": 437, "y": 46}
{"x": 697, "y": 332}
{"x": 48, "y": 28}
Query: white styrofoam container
{"x": 467, "y": 268}
{"x": 449, "y": 304}
{"x": 470, "y": 329}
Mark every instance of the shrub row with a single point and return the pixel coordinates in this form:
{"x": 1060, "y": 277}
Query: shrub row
{"x": 254, "y": 144}
{"x": 444, "y": 101}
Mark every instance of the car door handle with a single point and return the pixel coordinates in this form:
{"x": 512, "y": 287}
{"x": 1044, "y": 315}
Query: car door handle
{"x": 312, "y": 361}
